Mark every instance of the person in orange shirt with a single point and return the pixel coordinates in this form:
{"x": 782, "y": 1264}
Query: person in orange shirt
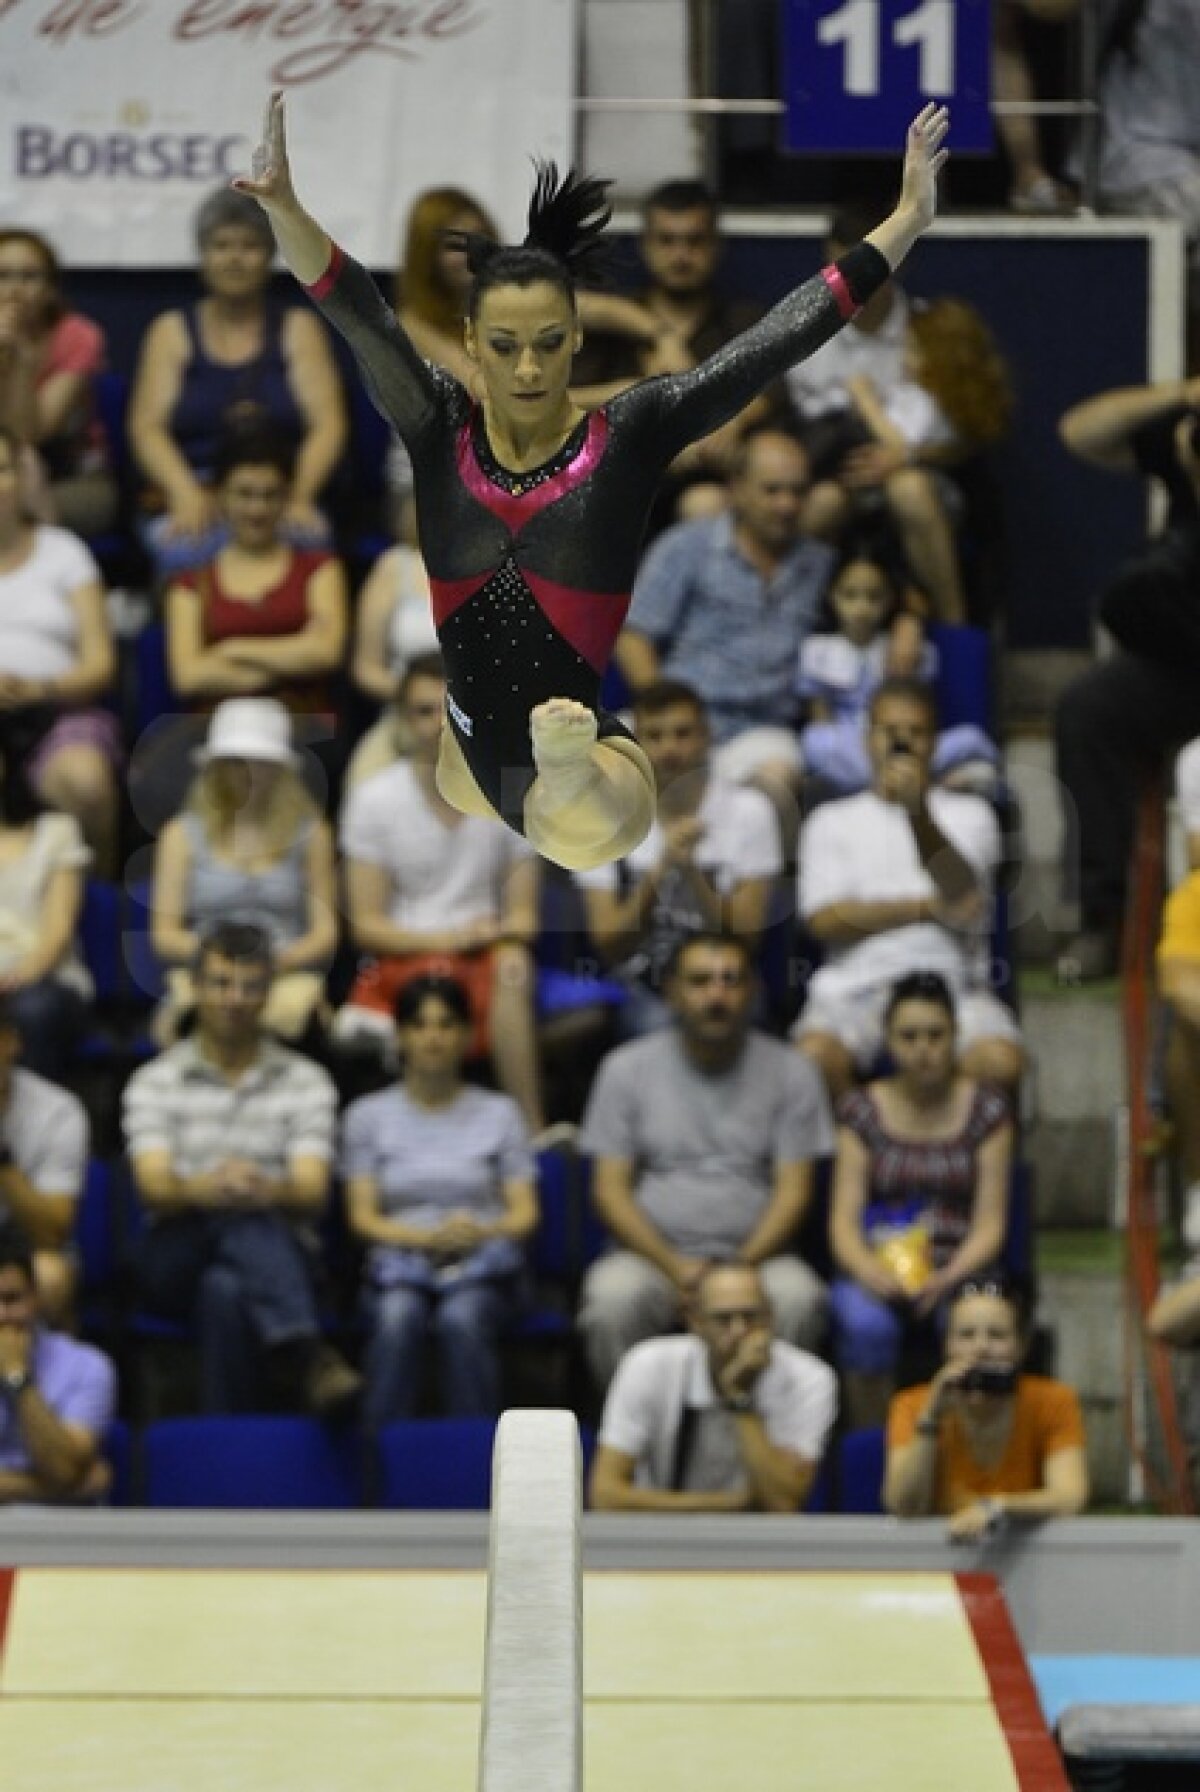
{"x": 982, "y": 1441}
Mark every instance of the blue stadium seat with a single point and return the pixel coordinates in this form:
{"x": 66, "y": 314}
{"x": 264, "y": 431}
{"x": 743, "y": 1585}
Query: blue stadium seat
{"x": 861, "y": 1457}
{"x": 820, "y": 1494}
{"x": 615, "y": 693}
{"x": 964, "y": 681}
{"x": 100, "y": 924}
{"x": 95, "y": 1236}
{"x": 153, "y": 697}
{"x": 104, "y": 926}
{"x": 563, "y": 1245}
{"x": 570, "y": 1235}
{"x": 283, "y": 1463}
{"x": 142, "y": 964}
{"x": 445, "y": 1465}
{"x": 370, "y": 439}
{"x": 436, "y": 1464}
{"x": 112, "y": 405}
{"x": 117, "y": 1450}
{"x": 566, "y": 966}
{"x": 1017, "y": 1259}
{"x": 115, "y": 548}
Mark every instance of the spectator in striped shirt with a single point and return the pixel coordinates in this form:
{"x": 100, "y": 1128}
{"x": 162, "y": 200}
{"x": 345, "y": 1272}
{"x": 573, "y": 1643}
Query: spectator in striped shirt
{"x": 230, "y": 1137}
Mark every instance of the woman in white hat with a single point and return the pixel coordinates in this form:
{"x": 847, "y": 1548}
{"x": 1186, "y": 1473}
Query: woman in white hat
{"x": 249, "y": 845}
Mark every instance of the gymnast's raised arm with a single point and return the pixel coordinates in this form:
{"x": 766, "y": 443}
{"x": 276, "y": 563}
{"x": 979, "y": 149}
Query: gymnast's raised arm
{"x": 401, "y": 383}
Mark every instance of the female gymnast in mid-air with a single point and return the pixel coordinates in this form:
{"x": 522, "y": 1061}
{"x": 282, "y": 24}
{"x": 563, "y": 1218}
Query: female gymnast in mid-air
{"x": 531, "y": 511}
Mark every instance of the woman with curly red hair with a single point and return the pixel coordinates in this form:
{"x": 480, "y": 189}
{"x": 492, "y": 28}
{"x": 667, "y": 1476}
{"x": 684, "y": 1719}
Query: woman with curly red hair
{"x": 955, "y": 399}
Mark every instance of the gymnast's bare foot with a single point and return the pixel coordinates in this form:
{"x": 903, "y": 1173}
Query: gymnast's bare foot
{"x": 564, "y": 733}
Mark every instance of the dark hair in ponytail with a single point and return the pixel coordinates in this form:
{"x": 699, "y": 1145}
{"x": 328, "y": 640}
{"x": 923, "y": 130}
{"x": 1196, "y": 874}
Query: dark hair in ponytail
{"x": 566, "y": 220}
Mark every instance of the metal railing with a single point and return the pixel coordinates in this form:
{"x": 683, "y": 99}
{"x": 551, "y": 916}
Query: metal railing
{"x": 1157, "y": 1444}
{"x": 706, "y": 105}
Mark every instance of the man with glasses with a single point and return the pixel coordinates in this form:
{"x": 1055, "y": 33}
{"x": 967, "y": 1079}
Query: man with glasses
{"x": 231, "y": 1137}
{"x": 704, "y": 1137}
{"x": 726, "y": 1418}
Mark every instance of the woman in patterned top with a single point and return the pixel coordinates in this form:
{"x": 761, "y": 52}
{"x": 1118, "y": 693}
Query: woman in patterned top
{"x": 531, "y": 511}
{"x": 920, "y": 1192}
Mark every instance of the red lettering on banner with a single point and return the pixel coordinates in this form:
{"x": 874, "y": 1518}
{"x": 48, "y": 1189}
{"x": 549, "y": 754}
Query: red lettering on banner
{"x": 347, "y": 28}
{"x": 338, "y": 30}
{"x": 89, "y": 18}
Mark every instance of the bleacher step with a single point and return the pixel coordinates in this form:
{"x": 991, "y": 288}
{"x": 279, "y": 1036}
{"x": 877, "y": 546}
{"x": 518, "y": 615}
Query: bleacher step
{"x": 1077, "y": 1088}
{"x": 1082, "y": 1306}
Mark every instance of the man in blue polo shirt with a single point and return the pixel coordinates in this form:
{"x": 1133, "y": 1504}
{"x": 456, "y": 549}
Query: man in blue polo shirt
{"x": 57, "y": 1396}
{"x": 723, "y": 603}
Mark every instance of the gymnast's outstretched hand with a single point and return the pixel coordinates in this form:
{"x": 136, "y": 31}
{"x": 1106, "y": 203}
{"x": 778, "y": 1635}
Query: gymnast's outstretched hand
{"x": 302, "y": 243}
{"x": 270, "y": 177}
{"x": 924, "y": 159}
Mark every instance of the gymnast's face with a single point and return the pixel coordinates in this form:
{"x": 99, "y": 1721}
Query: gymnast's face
{"x": 523, "y": 341}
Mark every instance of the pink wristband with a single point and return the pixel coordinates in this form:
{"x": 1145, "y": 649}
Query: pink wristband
{"x": 321, "y": 288}
{"x": 835, "y": 280}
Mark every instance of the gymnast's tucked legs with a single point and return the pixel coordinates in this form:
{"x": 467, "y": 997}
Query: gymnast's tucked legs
{"x": 591, "y": 800}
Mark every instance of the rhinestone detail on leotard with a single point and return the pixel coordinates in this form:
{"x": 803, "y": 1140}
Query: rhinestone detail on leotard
{"x": 517, "y": 483}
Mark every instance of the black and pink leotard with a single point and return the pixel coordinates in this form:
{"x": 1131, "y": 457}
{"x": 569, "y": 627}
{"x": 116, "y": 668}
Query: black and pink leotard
{"x": 531, "y": 572}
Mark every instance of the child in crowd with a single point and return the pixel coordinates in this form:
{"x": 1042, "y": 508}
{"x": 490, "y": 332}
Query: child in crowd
{"x": 868, "y": 635}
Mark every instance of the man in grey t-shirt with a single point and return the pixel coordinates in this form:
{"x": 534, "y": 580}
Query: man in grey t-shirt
{"x": 704, "y": 1138}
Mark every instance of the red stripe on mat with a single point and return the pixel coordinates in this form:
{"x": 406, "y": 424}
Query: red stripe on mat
{"x": 8, "y": 1581}
{"x": 1036, "y": 1760}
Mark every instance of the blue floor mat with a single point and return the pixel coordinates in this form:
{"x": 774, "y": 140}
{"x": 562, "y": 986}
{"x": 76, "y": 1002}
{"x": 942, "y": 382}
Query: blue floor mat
{"x": 1064, "y": 1680}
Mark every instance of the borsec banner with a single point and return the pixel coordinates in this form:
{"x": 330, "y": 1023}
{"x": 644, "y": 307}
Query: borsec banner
{"x": 117, "y": 117}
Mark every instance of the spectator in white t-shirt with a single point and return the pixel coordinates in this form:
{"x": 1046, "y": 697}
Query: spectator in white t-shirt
{"x": 877, "y": 443}
{"x": 393, "y": 623}
{"x": 43, "y": 860}
{"x": 896, "y": 880}
{"x": 708, "y": 861}
{"x": 726, "y": 1418}
{"x": 432, "y": 890}
{"x": 57, "y": 661}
